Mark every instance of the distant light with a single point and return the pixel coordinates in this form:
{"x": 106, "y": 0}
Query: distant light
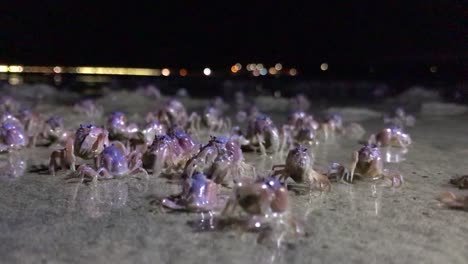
{"x": 256, "y": 73}
{"x": 3, "y": 68}
{"x": 251, "y": 67}
{"x": 183, "y": 72}
{"x": 15, "y": 68}
{"x": 259, "y": 66}
{"x": 293, "y": 72}
{"x": 238, "y": 66}
{"x": 272, "y": 71}
{"x": 207, "y": 71}
{"x": 324, "y": 66}
{"x": 165, "y": 72}
{"x": 433, "y": 69}
{"x": 234, "y": 69}
{"x": 278, "y": 66}
{"x": 263, "y": 71}
{"x": 57, "y": 69}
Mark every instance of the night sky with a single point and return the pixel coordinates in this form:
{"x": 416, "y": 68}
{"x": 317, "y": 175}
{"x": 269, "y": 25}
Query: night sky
{"x": 197, "y": 35}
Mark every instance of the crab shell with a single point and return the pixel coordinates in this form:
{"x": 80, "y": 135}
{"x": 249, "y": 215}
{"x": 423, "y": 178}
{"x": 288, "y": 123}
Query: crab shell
{"x": 262, "y": 197}
{"x": 298, "y": 163}
{"x": 90, "y": 141}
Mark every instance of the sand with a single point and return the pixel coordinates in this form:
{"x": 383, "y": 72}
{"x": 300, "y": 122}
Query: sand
{"x": 44, "y": 219}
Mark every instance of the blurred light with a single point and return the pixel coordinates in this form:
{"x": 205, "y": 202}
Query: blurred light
{"x": 272, "y": 71}
{"x": 115, "y": 71}
{"x": 433, "y": 69}
{"x": 38, "y": 69}
{"x": 165, "y": 72}
{"x": 234, "y": 69}
{"x": 259, "y": 66}
{"x": 238, "y": 66}
{"x": 251, "y": 66}
{"x": 57, "y": 69}
{"x": 263, "y": 71}
{"x": 15, "y": 68}
{"x": 324, "y": 66}
{"x": 278, "y": 66}
{"x": 293, "y": 72}
{"x": 3, "y": 68}
{"x": 183, "y": 72}
{"x": 207, "y": 71}
{"x": 256, "y": 73}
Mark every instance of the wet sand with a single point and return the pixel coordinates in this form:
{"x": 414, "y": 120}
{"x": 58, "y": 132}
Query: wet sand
{"x": 44, "y": 219}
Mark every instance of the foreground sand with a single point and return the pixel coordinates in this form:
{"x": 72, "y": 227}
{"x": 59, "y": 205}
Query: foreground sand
{"x": 43, "y": 219}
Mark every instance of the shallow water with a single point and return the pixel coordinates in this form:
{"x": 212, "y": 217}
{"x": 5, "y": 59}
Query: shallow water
{"x": 45, "y": 219}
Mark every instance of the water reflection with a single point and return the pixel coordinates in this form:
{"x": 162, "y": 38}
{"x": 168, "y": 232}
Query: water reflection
{"x": 393, "y": 155}
{"x": 98, "y": 198}
{"x": 12, "y": 166}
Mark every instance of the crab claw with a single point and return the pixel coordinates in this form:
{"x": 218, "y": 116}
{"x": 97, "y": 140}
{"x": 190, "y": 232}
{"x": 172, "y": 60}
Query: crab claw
{"x": 320, "y": 181}
{"x": 460, "y": 182}
{"x": 338, "y": 172}
{"x": 393, "y": 180}
{"x": 452, "y": 201}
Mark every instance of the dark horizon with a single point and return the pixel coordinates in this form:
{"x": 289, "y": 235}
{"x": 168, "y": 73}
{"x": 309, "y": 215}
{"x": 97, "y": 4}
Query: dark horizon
{"x": 351, "y": 37}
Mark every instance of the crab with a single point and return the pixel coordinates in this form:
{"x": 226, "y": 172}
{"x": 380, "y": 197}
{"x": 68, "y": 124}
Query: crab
{"x": 200, "y": 195}
{"x": 88, "y": 142}
{"x": 392, "y": 136}
{"x": 300, "y": 102}
{"x": 54, "y": 130}
{"x": 12, "y": 137}
{"x": 149, "y": 91}
{"x": 32, "y": 123}
{"x": 302, "y": 119}
{"x": 172, "y": 113}
{"x": 453, "y": 201}
{"x": 211, "y": 119}
{"x": 113, "y": 162}
{"x": 10, "y": 118}
{"x": 88, "y": 107}
{"x": 169, "y": 152}
{"x": 262, "y": 197}
{"x": 299, "y": 168}
{"x": 220, "y": 159}
{"x": 144, "y": 137}
{"x": 8, "y": 104}
{"x": 368, "y": 164}
{"x": 263, "y": 134}
{"x": 461, "y": 182}
{"x": 118, "y": 127}
{"x": 399, "y": 118}
{"x": 332, "y": 123}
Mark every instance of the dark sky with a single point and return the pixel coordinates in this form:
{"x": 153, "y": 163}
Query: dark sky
{"x": 192, "y": 35}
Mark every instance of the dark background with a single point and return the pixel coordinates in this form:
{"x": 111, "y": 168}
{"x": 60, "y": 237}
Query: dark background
{"x": 396, "y": 39}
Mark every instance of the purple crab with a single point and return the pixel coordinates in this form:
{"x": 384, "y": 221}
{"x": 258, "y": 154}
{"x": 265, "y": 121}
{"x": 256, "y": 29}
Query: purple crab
{"x": 89, "y": 141}
{"x": 298, "y": 167}
{"x": 54, "y": 130}
{"x": 262, "y": 198}
{"x": 169, "y": 151}
{"x": 113, "y": 162}
{"x": 200, "y": 195}
{"x": 118, "y": 127}
{"x": 391, "y": 136}
{"x": 263, "y": 134}
{"x": 172, "y": 113}
{"x": 12, "y": 137}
